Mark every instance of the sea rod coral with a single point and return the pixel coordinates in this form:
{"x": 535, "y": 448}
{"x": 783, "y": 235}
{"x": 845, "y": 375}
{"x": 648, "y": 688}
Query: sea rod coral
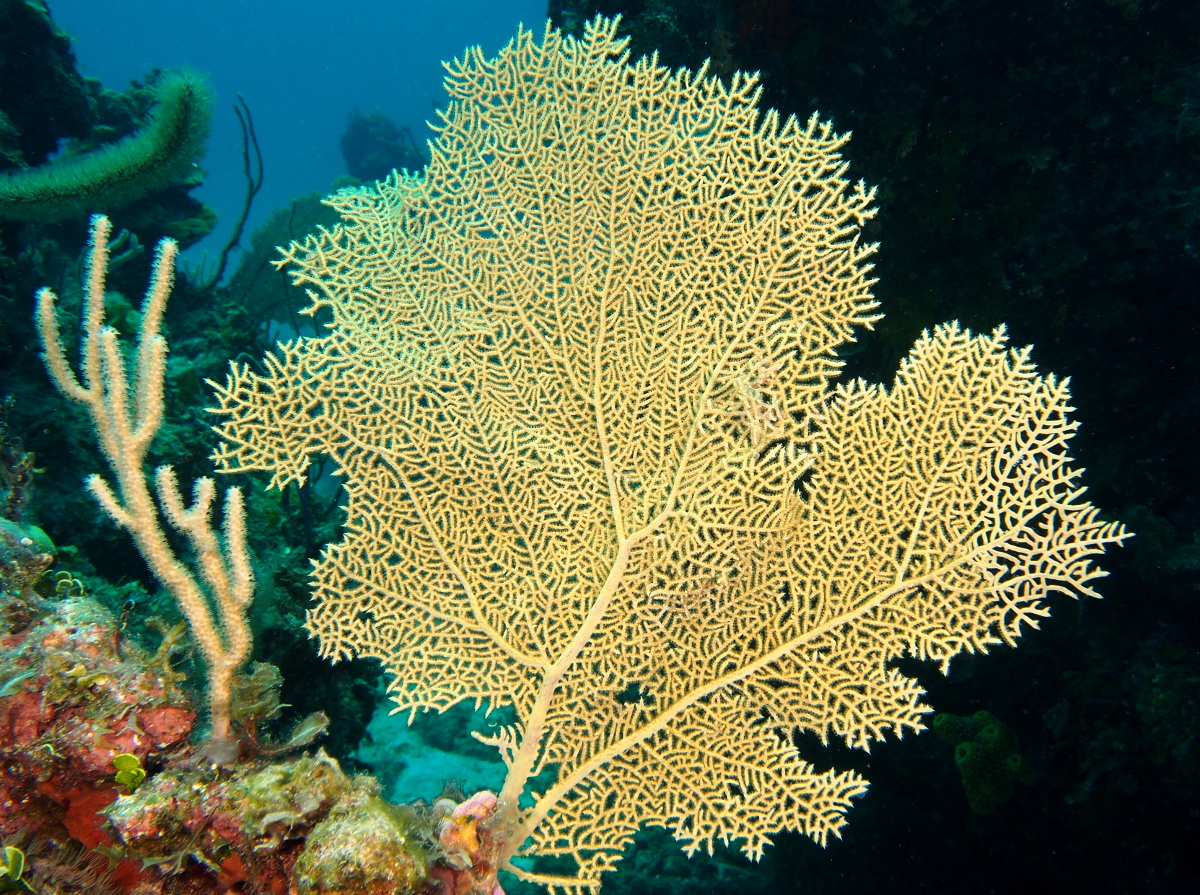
{"x": 579, "y": 382}
{"x": 213, "y": 595}
{"x": 94, "y": 731}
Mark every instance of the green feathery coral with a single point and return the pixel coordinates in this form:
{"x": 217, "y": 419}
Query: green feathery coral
{"x": 160, "y": 154}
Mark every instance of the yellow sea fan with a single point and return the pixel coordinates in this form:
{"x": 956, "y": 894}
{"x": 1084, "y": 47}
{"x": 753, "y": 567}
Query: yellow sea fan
{"x": 577, "y": 381}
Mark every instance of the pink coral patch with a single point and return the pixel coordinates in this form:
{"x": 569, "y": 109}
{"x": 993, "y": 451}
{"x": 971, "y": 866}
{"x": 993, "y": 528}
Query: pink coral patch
{"x": 166, "y": 725}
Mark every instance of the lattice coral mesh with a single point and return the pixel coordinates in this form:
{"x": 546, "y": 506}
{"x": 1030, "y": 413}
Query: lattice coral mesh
{"x": 578, "y": 383}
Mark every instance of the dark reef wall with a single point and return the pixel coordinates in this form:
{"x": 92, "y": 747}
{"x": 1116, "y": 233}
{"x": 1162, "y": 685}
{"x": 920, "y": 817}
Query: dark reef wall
{"x": 1038, "y": 165}
{"x": 37, "y": 70}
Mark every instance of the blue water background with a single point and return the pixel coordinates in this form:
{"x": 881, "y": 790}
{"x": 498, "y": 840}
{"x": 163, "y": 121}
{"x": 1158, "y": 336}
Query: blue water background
{"x": 302, "y": 67}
